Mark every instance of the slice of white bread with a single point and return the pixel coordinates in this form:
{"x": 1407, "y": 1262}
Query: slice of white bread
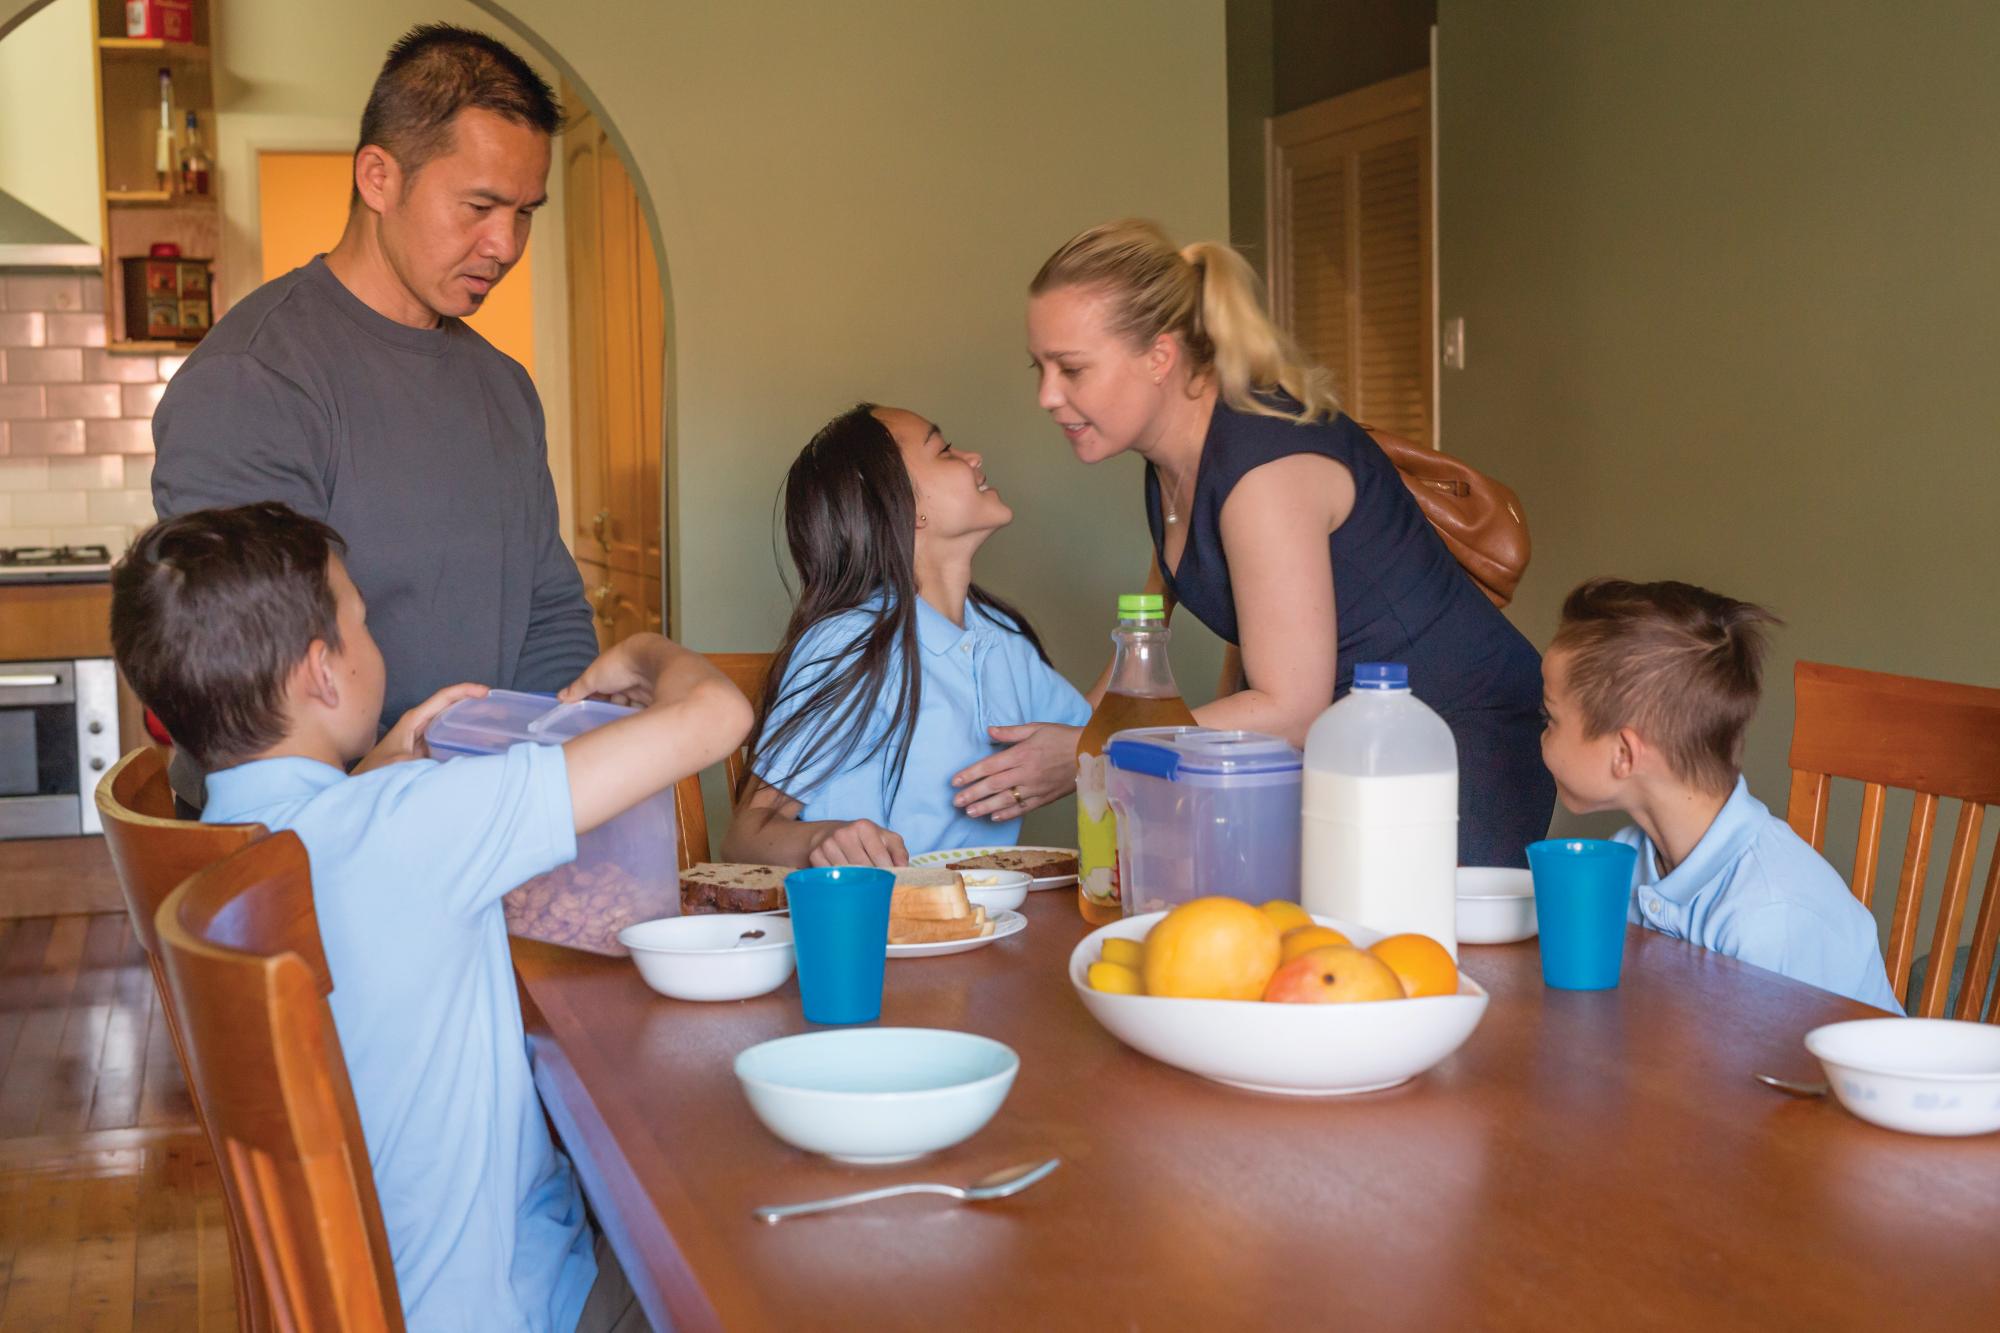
{"x": 925, "y": 894}
{"x": 908, "y": 931}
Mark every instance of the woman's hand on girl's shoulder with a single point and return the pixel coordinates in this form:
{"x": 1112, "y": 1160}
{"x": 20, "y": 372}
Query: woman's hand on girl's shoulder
{"x": 861, "y": 842}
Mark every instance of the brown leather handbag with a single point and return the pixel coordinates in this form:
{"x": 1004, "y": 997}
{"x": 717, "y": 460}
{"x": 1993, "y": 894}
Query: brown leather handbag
{"x": 1479, "y": 518}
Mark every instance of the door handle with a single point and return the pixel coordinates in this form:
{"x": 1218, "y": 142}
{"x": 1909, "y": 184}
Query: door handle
{"x": 599, "y": 525}
{"x": 27, "y": 681}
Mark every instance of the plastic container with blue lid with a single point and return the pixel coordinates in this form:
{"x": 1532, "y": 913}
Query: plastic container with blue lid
{"x": 1204, "y": 812}
{"x": 626, "y": 870}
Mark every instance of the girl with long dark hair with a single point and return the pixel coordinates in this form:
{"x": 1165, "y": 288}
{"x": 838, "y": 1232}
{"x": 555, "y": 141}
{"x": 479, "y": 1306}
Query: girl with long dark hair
{"x": 896, "y": 671}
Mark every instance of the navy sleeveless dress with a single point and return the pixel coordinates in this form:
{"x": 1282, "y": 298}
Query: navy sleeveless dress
{"x": 1399, "y": 596}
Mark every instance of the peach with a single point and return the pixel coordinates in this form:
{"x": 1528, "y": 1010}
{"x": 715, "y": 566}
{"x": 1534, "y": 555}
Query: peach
{"x": 1335, "y": 974}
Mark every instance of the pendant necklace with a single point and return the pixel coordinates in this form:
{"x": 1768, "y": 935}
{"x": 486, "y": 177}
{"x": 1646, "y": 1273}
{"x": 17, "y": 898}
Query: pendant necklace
{"x": 1173, "y": 502}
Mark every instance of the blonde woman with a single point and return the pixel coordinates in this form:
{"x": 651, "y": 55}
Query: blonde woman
{"x": 1275, "y": 519}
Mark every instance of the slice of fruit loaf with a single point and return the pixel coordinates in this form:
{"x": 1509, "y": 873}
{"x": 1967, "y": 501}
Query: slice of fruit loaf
{"x": 721, "y": 887}
{"x": 1039, "y": 864}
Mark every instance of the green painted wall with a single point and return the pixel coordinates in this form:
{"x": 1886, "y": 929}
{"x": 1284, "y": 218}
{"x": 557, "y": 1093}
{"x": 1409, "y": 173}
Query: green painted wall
{"x": 1729, "y": 279}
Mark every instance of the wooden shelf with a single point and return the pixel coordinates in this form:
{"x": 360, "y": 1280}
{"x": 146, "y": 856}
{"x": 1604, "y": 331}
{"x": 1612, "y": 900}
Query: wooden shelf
{"x": 152, "y": 346}
{"x": 153, "y": 48}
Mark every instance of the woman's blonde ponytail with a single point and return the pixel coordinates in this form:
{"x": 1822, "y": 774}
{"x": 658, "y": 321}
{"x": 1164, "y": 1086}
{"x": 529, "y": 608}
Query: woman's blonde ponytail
{"x": 1207, "y": 296}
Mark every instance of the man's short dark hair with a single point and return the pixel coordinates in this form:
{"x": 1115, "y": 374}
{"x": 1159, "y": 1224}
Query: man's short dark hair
{"x": 436, "y": 71}
{"x": 209, "y": 614}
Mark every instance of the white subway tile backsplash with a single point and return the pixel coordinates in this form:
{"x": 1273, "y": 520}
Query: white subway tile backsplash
{"x": 12, "y": 536}
{"x": 83, "y": 400}
{"x": 75, "y": 330}
{"x": 170, "y": 364}
{"x": 23, "y": 328}
{"x": 24, "y": 474}
{"x": 21, "y": 400}
{"x": 53, "y": 509}
{"x": 42, "y": 365}
{"x": 105, "y": 507}
{"x": 138, "y": 472}
{"x": 39, "y": 291}
{"x": 6, "y": 512}
{"x": 103, "y": 366}
{"x": 114, "y": 538}
{"x": 25, "y": 438}
{"x": 93, "y": 294}
{"x": 92, "y": 472}
{"x": 129, "y": 436}
{"x": 141, "y": 399}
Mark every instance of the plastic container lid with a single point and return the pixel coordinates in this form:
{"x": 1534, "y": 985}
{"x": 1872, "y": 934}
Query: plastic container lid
{"x": 507, "y": 717}
{"x": 1141, "y": 606}
{"x": 1169, "y": 752}
{"x": 1381, "y": 676}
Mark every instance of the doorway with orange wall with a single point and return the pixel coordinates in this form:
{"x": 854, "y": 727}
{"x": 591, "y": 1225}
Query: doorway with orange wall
{"x": 302, "y": 208}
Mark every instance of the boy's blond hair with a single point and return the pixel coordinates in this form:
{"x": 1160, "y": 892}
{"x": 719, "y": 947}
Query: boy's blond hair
{"x": 1678, "y": 664}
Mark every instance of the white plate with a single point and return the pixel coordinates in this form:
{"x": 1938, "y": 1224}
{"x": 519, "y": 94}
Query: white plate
{"x": 963, "y": 853}
{"x": 1004, "y": 924}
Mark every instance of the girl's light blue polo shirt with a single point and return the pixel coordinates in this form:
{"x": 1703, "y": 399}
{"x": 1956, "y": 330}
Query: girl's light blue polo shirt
{"x": 409, "y": 863}
{"x": 1755, "y": 890}
{"x": 986, "y": 674}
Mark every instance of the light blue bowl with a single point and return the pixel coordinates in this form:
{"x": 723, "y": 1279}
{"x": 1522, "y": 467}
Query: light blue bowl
{"x": 876, "y": 1095}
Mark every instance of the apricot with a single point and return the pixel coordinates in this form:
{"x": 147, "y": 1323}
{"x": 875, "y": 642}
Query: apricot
{"x": 1288, "y": 914}
{"x": 1336, "y": 974}
{"x": 1298, "y": 941}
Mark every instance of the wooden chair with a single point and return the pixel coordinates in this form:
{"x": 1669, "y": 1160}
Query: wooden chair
{"x": 747, "y": 672}
{"x": 1934, "y": 739}
{"x": 152, "y": 851}
{"x": 242, "y": 951}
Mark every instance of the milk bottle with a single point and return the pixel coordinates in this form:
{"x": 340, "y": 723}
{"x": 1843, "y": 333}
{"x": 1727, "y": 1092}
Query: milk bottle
{"x": 1379, "y": 830}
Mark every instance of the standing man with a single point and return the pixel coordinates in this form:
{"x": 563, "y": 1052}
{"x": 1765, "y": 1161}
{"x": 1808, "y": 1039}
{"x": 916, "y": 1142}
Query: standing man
{"x": 352, "y": 390}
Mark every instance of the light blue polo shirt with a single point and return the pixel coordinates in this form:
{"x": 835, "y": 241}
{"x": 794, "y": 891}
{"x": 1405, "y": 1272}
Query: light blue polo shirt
{"x": 409, "y": 863}
{"x": 1755, "y": 890}
{"x": 986, "y": 674}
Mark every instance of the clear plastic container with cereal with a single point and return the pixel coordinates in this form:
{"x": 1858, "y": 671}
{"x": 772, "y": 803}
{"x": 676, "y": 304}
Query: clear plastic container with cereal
{"x": 625, "y": 871}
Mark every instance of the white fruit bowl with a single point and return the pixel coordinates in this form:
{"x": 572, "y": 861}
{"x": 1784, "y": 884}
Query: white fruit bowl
{"x": 1918, "y": 1075}
{"x": 1299, "y": 1050}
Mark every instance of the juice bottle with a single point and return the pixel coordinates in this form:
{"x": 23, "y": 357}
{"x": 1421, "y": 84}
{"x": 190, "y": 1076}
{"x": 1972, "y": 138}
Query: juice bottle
{"x": 1378, "y": 836}
{"x": 1141, "y": 694}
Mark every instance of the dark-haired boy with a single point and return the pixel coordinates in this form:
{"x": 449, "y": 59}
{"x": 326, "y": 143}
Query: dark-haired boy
{"x": 352, "y": 390}
{"x": 1648, "y": 689}
{"x": 241, "y": 629}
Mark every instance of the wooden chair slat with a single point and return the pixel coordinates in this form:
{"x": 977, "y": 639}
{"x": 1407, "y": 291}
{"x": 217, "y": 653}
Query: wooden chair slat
{"x": 1868, "y": 844}
{"x": 240, "y": 944}
{"x": 1910, "y": 891}
{"x": 152, "y": 851}
{"x": 1806, "y": 810}
{"x": 1951, "y": 911}
{"x": 748, "y": 672}
{"x": 1985, "y": 942}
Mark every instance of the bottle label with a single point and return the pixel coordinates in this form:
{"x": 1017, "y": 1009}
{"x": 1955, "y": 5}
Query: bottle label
{"x": 1096, "y": 833}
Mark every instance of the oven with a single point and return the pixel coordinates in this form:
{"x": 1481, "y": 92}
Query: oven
{"x": 58, "y": 734}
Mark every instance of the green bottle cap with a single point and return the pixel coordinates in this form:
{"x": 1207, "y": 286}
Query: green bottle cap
{"x": 1141, "y": 606}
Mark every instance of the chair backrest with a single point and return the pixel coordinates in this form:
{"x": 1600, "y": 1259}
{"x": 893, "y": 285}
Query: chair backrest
{"x": 152, "y": 851}
{"x": 242, "y": 950}
{"x": 747, "y": 671}
{"x": 1939, "y": 741}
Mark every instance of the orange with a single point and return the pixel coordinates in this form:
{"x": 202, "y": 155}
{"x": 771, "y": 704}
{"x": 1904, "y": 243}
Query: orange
{"x": 1420, "y": 963}
{"x": 1298, "y": 941}
{"x": 1288, "y": 914}
{"x": 1212, "y": 949}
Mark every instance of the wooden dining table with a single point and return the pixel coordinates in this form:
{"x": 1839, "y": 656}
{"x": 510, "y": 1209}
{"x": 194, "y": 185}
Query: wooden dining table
{"x": 1586, "y": 1160}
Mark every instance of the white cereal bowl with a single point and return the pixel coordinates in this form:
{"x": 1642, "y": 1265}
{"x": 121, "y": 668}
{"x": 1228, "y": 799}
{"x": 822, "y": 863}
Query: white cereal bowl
{"x": 875, "y": 1095}
{"x": 1496, "y": 905}
{"x": 1918, "y": 1075}
{"x": 1299, "y": 1050}
{"x": 707, "y": 958}
{"x": 996, "y": 890}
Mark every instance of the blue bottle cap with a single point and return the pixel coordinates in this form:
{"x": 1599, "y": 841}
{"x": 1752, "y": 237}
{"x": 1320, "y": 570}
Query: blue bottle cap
{"x": 1381, "y": 676}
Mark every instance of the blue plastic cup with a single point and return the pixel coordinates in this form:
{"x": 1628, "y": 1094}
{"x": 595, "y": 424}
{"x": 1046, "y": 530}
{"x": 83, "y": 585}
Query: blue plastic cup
{"x": 1582, "y": 886}
{"x": 840, "y": 932}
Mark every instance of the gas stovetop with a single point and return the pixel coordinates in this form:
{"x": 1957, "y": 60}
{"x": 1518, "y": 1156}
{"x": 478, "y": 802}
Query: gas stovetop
{"x": 54, "y": 564}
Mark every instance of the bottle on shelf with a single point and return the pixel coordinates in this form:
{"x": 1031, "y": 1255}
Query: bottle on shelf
{"x": 163, "y": 138}
{"x": 194, "y": 162}
{"x": 1378, "y": 837}
{"x": 1141, "y": 693}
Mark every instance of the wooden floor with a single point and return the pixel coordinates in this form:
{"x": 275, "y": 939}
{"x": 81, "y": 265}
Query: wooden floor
{"x": 111, "y": 1212}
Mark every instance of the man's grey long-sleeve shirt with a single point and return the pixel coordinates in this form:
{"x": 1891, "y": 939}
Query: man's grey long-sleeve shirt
{"x": 423, "y": 448}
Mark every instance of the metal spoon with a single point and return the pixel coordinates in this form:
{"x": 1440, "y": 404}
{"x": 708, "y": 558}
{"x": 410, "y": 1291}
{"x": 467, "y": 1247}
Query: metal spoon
{"x": 1792, "y": 1087}
{"x": 1009, "y": 1180}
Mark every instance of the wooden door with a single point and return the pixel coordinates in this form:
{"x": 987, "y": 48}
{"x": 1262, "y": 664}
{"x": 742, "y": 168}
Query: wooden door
{"x": 1350, "y": 223}
{"x": 617, "y": 389}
